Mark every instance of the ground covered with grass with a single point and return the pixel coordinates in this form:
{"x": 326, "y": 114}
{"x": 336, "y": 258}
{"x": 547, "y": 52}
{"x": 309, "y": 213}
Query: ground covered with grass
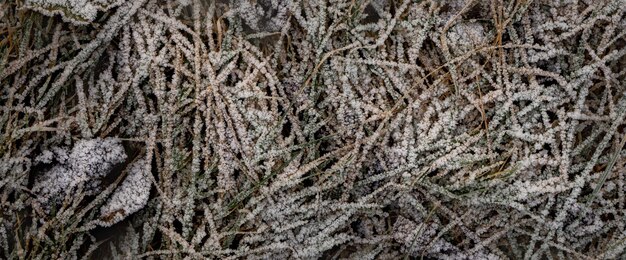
{"x": 304, "y": 129}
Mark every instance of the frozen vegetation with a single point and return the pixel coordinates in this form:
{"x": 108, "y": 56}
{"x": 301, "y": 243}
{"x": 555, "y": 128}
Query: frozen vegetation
{"x": 305, "y": 129}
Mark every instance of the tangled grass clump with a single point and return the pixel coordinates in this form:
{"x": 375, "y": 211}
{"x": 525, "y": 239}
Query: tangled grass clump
{"x": 312, "y": 129}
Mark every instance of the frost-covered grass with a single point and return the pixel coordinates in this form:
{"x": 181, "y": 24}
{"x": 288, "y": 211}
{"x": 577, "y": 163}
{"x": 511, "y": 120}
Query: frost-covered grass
{"x": 312, "y": 129}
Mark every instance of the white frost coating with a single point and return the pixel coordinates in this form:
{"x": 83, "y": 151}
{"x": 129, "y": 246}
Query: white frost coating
{"x": 87, "y": 163}
{"x": 74, "y": 11}
{"x": 356, "y": 129}
{"x": 468, "y": 35}
{"x": 130, "y": 197}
